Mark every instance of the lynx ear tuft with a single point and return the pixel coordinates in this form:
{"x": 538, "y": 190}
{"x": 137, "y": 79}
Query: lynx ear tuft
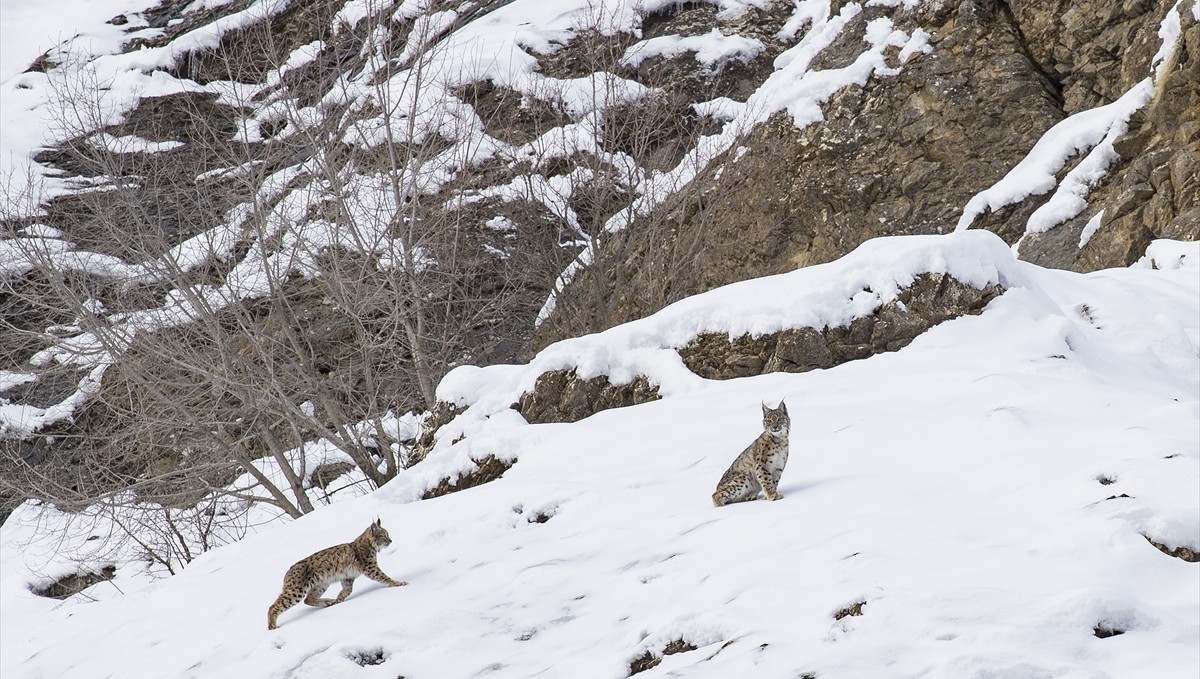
{"x": 782, "y": 407}
{"x": 765, "y": 409}
{"x": 378, "y": 522}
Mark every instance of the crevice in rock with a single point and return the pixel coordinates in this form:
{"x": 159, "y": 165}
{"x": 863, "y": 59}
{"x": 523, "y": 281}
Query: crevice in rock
{"x": 511, "y": 116}
{"x": 1055, "y": 85}
{"x": 539, "y": 516}
{"x": 42, "y": 64}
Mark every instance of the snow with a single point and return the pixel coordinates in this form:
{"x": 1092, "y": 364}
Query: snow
{"x": 907, "y": 4}
{"x": 18, "y": 420}
{"x": 1090, "y": 228}
{"x": 501, "y": 224}
{"x": 1068, "y": 199}
{"x": 710, "y": 49}
{"x": 953, "y": 487}
{"x": 10, "y": 379}
{"x": 919, "y": 43}
{"x": 1170, "y": 254}
{"x": 1168, "y": 33}
{"x": 721, "y": 108}
{"x": 131, "y": 144}
{"x": 498, "y": 46}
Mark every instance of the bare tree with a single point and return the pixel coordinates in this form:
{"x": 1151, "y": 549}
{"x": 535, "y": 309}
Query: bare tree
{"x": 275, "y": 261}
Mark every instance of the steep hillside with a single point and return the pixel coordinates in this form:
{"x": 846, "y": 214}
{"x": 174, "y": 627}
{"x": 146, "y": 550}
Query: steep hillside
{"x": 419, "y": 184}
{"x": 996, "y": 499}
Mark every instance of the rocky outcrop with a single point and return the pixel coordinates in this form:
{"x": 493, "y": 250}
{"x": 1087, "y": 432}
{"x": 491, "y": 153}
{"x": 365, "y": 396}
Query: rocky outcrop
{"x": 486, "y": 470}
{"x": 1153, "y": 191}
{"x": 853, "y": 610}
{"x": 1095, "y": 50}
{"x": 649, "y": 660}
{"x": 74, "y": 583}
{"x": 1178, "y": 552}
{"x": 563, "y": 396}
{"x": 895, "y": 156}
{"x": 327, "y": 473}
{"x": 440, "y": 415}
{"x": 931, "y": 299}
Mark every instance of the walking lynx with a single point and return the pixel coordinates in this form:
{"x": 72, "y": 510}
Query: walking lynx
{"x": 760, "y": 465}
{"x": 308, "y": 579}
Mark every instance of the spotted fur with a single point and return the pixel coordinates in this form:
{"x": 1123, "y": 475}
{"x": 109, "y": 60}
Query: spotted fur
{"x": 760, "y": 465}
{"x": 308, "y": 579}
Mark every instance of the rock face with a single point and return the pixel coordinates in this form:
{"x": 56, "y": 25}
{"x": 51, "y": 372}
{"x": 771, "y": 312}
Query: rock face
{"x": 439, "y": 415}
{"x": 932, "y": 299}
{"x": 488, "y": 469}
{"x": 563, "y": 396}
{"x": 327, "y": 473}
{"x": 1177, "y": 552}
{"x": 649, "y": 660}
{"x": 1094, "y": 49}
{"x": 1153, "y": 191}
{"x": 904, "y": 155}
{"x": 75, "y": 583}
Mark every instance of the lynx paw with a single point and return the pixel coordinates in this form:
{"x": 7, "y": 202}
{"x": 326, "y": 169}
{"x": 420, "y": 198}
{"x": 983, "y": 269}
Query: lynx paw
{"x": 774, "y": 496}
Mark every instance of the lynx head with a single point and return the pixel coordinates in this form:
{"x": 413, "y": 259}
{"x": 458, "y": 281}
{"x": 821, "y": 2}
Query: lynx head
{"x": 776, "y": 422}
{"x": 377, "y": 536}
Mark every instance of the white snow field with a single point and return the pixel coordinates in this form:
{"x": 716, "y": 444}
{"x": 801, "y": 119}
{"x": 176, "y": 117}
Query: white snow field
{"x": 987, "y": 493}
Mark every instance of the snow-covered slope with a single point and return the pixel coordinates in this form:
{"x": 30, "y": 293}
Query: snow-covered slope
{"x": 985, "y": 493}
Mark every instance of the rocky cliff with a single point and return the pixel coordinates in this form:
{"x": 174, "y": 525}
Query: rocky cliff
{"x": 906, "y": 153}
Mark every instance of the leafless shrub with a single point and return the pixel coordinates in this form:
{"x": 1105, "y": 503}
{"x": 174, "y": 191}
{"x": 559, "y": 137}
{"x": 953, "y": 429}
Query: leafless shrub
{"x": 281, "y": 272}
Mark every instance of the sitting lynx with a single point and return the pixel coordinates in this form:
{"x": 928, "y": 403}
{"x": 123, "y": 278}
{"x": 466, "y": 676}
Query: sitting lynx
{"x": 760, "y": 465}
{"x": 309, "y": 577}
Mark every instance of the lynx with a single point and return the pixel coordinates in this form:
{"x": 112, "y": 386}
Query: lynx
{"x": 760, "y": 465}
{"x": 309, "y": 577}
